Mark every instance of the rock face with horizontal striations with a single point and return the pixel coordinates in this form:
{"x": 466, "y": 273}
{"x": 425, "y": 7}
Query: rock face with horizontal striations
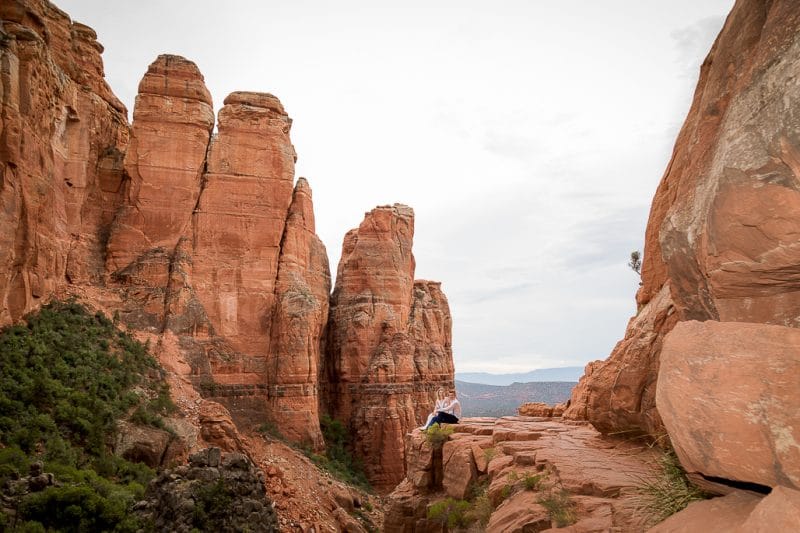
{"x": 722, "y": 239}
{"x": 172, "y": 122}
{"x": 388, "y": 345}
{"x": 517, "y": 463}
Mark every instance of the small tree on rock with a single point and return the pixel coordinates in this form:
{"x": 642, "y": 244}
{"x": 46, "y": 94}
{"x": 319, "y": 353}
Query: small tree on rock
{"x": 636, "y": 262}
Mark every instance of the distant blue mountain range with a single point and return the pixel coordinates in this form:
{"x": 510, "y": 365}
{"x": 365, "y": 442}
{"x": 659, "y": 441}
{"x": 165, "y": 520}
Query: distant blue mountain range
{"x": 567, "y": 373}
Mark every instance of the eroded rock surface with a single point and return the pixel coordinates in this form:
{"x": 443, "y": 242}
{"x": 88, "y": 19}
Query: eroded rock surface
{"x": 206, "y": 246}
{"x": 729, "y": 397}
{"x": 302, "y": 291}
{"x": 530, "y": 460}
{"x": 389, "y": 344}
{"x": 63, "y": 136}
{"x": 722, "y": 238}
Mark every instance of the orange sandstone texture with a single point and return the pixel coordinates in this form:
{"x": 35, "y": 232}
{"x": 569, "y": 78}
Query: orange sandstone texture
{"x": 301, "y": 312}
{"x": 722, "y": 238}
{"x": 389, "y": 342}
{"x": 172, "y": 122}
{"x": 596, "y": 473}
{"x": 729, "y": 397}
{"x": 63, "y": 136}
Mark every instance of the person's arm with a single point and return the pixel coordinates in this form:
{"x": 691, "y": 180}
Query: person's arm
{"x": 447, "y": 407}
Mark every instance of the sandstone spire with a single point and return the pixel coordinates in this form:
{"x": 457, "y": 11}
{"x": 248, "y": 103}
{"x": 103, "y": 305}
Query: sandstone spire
{"x": 301, "y": 312}
{"x": 388, "y": 343}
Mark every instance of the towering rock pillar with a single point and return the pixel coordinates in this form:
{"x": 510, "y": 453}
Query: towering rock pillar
{"x": 172, "y": 123}
{"x": 301, "y": 312}
{"x": 388, "y": 343}
{"x": 236, "y": 237}
{"x": 238, "y": 225}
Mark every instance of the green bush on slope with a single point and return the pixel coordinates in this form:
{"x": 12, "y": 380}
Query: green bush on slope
{"x": 337, "y": 458}
{"x": 66, "y": 377}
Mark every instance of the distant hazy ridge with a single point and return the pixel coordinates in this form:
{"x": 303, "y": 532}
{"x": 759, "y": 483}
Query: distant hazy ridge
{"x": 567, "y": 373}
{"x": 495, "y": 400}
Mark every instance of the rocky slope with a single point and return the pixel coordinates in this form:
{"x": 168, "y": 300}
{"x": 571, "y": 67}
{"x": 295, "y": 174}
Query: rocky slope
{"x": 204, "y": 243}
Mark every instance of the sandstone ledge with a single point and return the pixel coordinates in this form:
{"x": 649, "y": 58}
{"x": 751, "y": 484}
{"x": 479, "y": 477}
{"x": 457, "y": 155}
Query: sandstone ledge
{"x": 598, "y": 473}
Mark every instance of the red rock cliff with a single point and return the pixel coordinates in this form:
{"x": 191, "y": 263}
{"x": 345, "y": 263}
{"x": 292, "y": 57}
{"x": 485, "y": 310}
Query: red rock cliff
{"x": 722, "y": 238}
{"x": 388, "y": 343}
{"x": 63, "y": 136}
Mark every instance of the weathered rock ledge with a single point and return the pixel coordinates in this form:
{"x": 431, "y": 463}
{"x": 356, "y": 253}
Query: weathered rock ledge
{"x": 595, "y": 473}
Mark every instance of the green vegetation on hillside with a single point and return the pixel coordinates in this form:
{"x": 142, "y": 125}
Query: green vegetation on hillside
{"x": 337, "y": 458}
{"x": 66, "y": 377}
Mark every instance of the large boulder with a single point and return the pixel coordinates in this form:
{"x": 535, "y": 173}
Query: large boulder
{"x": 728, "y": 395}
{"x": 738, "y": 512}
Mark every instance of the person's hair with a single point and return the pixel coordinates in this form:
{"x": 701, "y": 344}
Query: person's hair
{"x": 453, "y": 391}
{"x": 440, "y": 390}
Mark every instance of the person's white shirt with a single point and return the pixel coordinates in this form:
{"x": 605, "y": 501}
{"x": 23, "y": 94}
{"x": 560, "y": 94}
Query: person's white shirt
{"x": 453, "y": 408}
{"x": 438, "y": 406}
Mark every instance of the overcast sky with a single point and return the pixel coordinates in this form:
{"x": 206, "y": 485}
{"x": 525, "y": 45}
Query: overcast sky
{"x": 528, "y": 136}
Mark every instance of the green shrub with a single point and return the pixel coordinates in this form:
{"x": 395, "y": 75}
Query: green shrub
{"x": 664, "y": 495}
{"x": 532, "y": 481}
{"x": 337, "y": 458}
{"x": 559, "y": 507}
{"x": 489, "y": 454}
{"x": 480, "y": 507}
{"x": 437, "y": 435}
{"x": 450, "y": 512}
{"x": 66, "y": 377}
{"x": 270, "y": 429}
{"x": 102, "y": 507}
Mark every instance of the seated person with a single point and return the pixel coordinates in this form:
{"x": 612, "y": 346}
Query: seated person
{"x": 450, "y": 413}
{"x": 440, "y": 402}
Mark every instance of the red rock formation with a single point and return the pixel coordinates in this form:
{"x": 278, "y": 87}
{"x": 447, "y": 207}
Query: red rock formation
{"x": 728, "y": 394}
{"x": 201, "y": 244}
{"x": 389, "y": 341}
{"x": 62, "y": 138}
{"x": 301, "y": 312}
{"x": 172, "y": 123}
{"x": 541, "y": 409}
{"x": 238, "y": 225}
{"x": 722, "y": 238}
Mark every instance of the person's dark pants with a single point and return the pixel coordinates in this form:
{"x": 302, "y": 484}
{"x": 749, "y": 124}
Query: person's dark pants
{"x": 443, "y": 418}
